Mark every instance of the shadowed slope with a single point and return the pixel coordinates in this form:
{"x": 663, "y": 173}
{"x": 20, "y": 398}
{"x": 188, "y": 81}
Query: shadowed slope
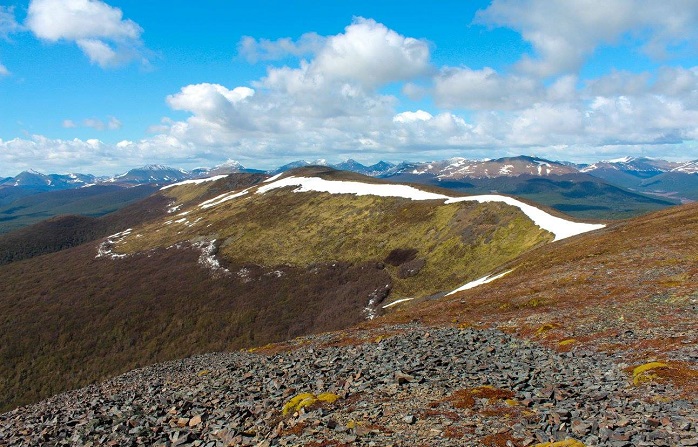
{"x": 68, "y": 319}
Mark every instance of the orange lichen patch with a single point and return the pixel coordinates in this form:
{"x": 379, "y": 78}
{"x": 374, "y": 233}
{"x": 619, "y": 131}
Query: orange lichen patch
{"x": 541, "y": 332}
{"x": 500, "y": 411}
{"x": 457, "y": 432}
{"x": 465, "y": 398}
{"x": 681, "y": 375}
{"x": 492, "y": 393}
{"x": 499, "y": 440}
{"x": 565, "y": 443}
{"x": 462, "y": 399}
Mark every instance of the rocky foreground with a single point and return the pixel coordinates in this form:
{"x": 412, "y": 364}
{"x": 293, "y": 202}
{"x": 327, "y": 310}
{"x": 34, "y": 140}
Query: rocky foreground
{"x": 405, "y": 385}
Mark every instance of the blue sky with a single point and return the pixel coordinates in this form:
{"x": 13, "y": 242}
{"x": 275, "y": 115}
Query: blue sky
{"x": 103, "y": 86}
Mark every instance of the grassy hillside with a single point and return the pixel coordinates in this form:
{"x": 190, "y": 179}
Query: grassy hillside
{"x": 296, "y": 263}
{"x": 676, "y": 185}
{"x": 454, "y": 242}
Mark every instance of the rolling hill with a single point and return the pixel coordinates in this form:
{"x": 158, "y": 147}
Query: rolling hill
{"x": 615, "y": 189}
{"x": 237, "y": 263}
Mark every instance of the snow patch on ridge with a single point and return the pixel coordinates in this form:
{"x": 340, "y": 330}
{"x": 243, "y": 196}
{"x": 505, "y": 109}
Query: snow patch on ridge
{"x": 561, "y": 228}
{"x": 307, "y": 184}
{"x": 273, "y": 178}
{"x": 195, "y": 181}
{"x": 401, "y": 300}
{"x": 478, "y": 282}
{"x": 222, "y": 198}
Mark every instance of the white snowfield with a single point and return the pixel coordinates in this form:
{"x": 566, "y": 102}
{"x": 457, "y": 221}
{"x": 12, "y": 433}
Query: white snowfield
{"x": 561, "y": 228}
{"x": 195, "y": 181}
{"x": 272, "y": 178}
{"x": 308, "y": 184}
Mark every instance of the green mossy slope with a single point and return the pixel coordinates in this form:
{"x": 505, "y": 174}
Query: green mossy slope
{"x": 457, "y": 242}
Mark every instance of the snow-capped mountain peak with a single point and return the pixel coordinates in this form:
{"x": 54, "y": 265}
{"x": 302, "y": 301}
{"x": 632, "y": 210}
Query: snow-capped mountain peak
{"x": 690, "y": 167}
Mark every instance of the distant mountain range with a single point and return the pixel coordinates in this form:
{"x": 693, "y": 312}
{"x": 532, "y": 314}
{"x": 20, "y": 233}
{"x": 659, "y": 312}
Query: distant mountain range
{"x": 35, "y": 180}
{"x": 609, "y": 189}
{"x": 627, "y": 172}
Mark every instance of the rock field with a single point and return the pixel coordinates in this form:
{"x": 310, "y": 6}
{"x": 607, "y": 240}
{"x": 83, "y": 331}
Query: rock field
{"x": 404, "y": 385}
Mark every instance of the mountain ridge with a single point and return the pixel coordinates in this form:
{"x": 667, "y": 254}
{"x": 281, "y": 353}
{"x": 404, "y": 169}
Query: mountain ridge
{"x": 454, "y": 168}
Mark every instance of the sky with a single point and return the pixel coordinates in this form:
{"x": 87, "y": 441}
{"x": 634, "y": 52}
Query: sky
{"x": 104, "y": 86}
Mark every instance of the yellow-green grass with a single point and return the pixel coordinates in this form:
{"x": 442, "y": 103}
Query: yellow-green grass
{"x": 459, "y": 242}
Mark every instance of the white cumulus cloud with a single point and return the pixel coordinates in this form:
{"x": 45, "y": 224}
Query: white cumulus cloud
{"x": 372, "y": 54}
{"x": 335, "y": 102}
{"x": 564, "y": 33}
{"x": 99, "y": 29}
